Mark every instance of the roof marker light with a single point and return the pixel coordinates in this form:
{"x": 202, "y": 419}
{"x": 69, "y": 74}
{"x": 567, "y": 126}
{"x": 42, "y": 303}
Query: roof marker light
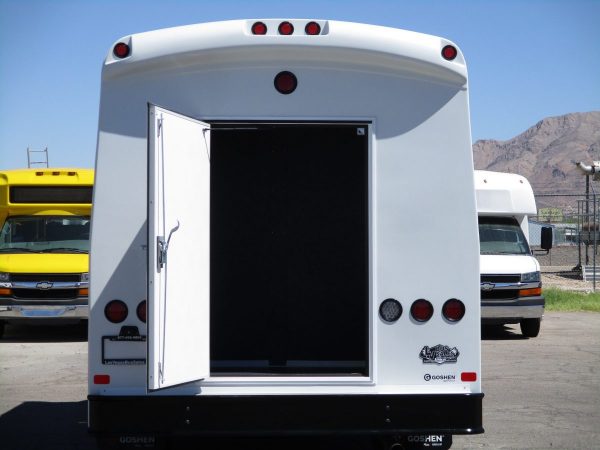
{"x": 449, "y": 52}
{"x": 259, "y": 28}
{"x": 121, "y": 50}
{"x": 285, "y": 82}
{"x": 312, "y": 28}
{"x": 286, "y": 28}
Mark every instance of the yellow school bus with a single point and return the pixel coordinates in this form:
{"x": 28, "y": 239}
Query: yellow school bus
{"x": 44, "y": 244}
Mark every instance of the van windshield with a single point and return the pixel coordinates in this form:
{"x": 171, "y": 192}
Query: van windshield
{"x": 501, "y": 235}
{"x": 45, "y": 234}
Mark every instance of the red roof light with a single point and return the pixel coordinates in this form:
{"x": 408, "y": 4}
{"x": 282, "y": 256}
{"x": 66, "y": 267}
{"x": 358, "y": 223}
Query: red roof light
{"x": 121, "y": 50}
{"x": 286, "y": 28}
{"x": 449, "y": 52}
{"x": 259, "y": 28}
{"x": 312, "y": 28}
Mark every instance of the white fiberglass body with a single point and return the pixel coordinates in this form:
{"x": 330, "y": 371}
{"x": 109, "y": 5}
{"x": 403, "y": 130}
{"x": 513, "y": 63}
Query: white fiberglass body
{"x": 353, "y": 164}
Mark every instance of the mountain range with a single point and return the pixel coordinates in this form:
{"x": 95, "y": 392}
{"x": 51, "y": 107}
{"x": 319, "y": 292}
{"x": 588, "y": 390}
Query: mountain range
{"x": 546, "y": 154}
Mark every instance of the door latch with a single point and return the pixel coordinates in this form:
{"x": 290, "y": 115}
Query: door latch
{"x": 163, "y": 246}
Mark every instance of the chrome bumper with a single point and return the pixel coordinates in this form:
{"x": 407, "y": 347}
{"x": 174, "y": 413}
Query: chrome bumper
{"x": 8, "y": 312}
{"x": 512, "y": 312}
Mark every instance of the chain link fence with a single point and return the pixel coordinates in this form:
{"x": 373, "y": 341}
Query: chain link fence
{"x": 575, "y": 221}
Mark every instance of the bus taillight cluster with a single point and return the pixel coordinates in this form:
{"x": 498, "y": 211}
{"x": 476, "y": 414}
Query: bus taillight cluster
{"x": 421, "y": 310}
{"x": 286, "y": 28}
{"x": 116, "y": 311}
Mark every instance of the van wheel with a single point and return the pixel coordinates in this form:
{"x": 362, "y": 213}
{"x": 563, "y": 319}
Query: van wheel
{"x": 1, "y": 329}
{"x": 530, "y": 327}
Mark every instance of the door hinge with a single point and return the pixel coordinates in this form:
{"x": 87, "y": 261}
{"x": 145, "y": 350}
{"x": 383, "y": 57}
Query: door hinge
{"x": 161, "y": 375}
{"x": 159, "y": 123}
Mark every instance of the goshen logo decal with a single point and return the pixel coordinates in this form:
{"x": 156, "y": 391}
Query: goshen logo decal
{"x": 444, "y": 378}
{"x": 440, "y": 354}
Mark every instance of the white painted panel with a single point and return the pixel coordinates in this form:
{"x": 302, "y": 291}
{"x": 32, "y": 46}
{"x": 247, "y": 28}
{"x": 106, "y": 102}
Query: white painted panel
{"x": 178, "y": 300}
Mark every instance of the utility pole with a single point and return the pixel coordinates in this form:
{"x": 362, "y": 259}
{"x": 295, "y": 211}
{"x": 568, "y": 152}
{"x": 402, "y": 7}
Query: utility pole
{"x": 590, "y": 170}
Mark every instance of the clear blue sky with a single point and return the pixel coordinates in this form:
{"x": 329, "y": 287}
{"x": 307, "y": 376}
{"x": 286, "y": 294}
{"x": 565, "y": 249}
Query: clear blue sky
{"x": 528, "y": 59}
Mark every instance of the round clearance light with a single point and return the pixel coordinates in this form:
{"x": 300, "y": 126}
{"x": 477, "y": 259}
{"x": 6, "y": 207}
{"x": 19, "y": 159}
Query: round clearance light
{"x": 116, "y": 311}
{"x": 453, "y": 310}
{"x": 421, "y": 310}
{"x": 312, "y": 28}
{"x": 141, "y": 311}
{"x": 390, "y": 310}
{"x": 259, "y": 28}
{"x": 285, "y": 82}
{"x": 121, "y": 50}
{"x": 449, "y": 52}
{"x": 286, "y": 28}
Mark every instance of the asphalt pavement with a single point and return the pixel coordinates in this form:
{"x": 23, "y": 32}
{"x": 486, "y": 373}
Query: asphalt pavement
{"x": 541, "y": 393}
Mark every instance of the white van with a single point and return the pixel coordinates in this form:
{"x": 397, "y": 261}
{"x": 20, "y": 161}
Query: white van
{"x": 511, "y": 285}
{"x": 261, "y": 224}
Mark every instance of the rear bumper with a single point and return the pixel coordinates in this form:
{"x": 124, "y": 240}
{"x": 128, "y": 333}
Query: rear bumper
{"x": 43, "y": 312}
{"x": 274, "y": 415}
{"x": 520, "y": 308}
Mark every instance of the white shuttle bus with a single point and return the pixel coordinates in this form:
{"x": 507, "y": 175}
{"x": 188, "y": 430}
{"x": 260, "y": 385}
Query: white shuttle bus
{"x": 511, "y": 284}
{"x": 284, "y": 236}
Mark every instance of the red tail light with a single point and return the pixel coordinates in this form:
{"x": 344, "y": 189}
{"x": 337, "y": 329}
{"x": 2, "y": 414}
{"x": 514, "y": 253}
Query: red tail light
{"x": 141, "y": 311}
{"x": 116, "y": 311}
{"x": 421, "y": 310}
{"x": 453, "y": 310}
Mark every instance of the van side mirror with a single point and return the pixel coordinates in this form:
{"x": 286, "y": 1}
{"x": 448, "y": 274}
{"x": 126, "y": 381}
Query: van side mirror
{"x": 546, "y": 243}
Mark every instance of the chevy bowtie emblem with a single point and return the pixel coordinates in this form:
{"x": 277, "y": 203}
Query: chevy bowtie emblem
{"x": 44, "y": 285}
{"x": 487, "y": 286}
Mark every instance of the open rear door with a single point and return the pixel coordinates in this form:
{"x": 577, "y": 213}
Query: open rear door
{"x": 178, "y": 249}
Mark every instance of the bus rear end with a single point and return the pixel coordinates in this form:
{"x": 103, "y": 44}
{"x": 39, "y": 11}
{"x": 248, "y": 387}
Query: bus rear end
{"x": 283, "y": 188}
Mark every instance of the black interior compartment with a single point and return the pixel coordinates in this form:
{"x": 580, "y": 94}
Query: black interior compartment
{"x": 289, "y": 249}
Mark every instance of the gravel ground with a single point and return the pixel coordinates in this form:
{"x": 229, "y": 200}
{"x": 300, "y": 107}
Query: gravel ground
{"x": 563, "y": 278}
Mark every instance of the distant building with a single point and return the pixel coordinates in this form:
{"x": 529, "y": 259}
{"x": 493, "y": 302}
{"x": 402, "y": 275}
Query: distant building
{"x": 563, "y": 233}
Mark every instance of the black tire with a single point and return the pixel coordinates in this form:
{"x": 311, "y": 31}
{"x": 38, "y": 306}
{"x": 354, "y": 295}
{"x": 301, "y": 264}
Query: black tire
{"x": 1, "y": 329}
{"x": 530, "y": 327}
